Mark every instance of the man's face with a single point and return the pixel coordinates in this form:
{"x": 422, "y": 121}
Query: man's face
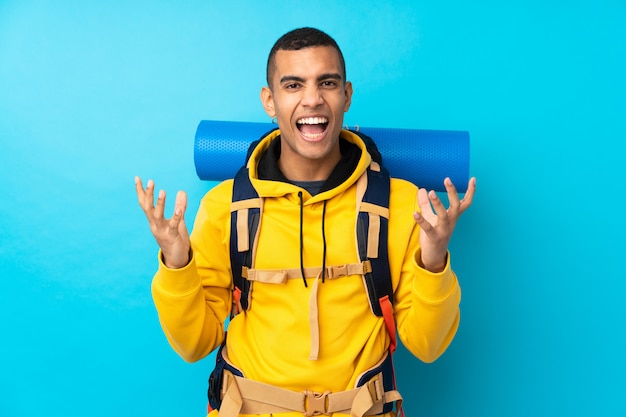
{"x": 308, "y": 96}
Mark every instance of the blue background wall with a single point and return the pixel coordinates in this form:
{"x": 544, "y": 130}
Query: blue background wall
{"x": 92, "y": 94}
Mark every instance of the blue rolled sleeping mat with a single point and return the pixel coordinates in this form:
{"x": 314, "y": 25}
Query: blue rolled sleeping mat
{"x": 423, "y": 157}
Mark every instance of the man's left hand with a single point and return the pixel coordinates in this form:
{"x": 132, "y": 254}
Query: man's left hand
{"x": 438, "y": 223}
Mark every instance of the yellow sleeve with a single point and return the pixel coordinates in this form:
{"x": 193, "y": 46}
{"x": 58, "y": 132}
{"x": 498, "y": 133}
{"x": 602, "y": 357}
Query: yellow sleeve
{"x": 193, "y": 302}
{"x": 426, "y": 304}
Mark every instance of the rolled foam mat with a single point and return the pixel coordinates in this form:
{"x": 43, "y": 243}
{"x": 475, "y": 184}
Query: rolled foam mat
{"x": 424, "y": 157}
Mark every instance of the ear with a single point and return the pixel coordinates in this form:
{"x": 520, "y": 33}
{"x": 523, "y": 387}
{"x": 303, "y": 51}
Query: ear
{"x": 267, "y": 99}
{"x": 348, "y": 92}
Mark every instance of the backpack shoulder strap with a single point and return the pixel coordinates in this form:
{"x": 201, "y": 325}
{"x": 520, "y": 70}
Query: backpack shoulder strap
{"x": 244, "y": 224}
{"x": 372, "y": 234}
{"x": 372, "y": 237}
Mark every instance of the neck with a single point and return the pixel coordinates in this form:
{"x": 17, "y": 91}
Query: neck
{"x": 297, "y": 168}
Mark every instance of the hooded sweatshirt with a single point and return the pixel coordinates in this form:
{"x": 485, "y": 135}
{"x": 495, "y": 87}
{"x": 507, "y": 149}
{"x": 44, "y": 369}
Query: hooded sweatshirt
{"x": 272, "y": 342}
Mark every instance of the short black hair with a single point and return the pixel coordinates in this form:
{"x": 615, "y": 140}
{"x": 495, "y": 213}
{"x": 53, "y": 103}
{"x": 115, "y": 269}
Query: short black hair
{"x": 301, "y": 38}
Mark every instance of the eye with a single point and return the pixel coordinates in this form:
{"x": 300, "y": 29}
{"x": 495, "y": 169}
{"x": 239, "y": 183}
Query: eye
{"x": 291, "y": 86}
{"x": 329, "y": 83}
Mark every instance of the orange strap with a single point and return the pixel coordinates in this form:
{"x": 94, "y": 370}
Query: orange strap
{"x": 390, "y": 323}
{"x": 236, "y": 300}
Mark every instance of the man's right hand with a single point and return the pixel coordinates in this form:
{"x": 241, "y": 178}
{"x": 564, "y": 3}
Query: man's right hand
{"x": 171, "y": 235}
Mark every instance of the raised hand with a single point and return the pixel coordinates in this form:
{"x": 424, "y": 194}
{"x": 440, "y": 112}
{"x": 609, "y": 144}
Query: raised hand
{"x": 171, "y": 235}
{"x": 437, "y": 225}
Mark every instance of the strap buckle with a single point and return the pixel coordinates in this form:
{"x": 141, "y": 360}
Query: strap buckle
{"x": 315, "y": 403}
{"x": 336, "y": 271}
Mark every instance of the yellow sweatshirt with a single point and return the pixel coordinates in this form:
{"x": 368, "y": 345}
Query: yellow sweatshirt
{"x": 271, "y": 342}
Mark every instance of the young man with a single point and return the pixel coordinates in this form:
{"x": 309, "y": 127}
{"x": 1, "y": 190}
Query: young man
{"x": 308, "y": 339}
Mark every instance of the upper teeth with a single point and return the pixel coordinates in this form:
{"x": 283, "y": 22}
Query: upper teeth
{"x": 312, "y": 120}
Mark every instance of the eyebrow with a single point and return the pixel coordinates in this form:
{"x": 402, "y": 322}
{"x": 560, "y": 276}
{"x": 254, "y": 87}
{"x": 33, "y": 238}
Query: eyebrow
{"x": 329, "y": 76}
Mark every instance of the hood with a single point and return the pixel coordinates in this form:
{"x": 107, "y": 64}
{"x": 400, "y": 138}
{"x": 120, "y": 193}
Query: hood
{"x": 270, "y": 182}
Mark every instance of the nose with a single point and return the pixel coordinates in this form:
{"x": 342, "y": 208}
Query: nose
{"x": 312, "y": 97}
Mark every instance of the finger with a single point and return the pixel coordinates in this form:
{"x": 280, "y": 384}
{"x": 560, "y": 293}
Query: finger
{"x": 453, "y": 195}
{"x": 440, "y": 209}
{"x": 159, "y": 209}
{"x": 148, "y": 197}
{"x": 139, "y": 190}
{"x": 181, "y": 203}
{"x": 179, "y": 212}
{"x": 422, "y": 222}
{"x": 145, "y": 197}
{"x": 469, "y": 194}
{"x": 424, "y": 202}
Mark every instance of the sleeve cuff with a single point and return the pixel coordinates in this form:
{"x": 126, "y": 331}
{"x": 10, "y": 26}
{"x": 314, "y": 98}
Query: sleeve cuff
{"x": 179, "y": 281}
{"x": 434, "y": 286}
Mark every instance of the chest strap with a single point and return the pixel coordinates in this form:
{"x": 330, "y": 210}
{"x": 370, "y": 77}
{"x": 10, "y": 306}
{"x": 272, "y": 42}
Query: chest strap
{"x": 280, "y": 276}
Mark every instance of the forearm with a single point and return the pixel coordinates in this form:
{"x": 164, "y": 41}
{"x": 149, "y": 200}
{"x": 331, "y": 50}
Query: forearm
{"x": 191, "y": 314}
{"x": 428, "y": 312}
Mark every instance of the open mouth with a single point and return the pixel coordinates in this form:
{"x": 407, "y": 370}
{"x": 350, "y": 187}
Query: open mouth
{"x": 312, "y": 127}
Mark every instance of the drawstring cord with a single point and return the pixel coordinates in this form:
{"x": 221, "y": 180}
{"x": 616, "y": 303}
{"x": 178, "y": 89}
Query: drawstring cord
{"x": 302, "y": 238}
{"x": 314, "y": 317}
{"x": 324, "y": 240}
